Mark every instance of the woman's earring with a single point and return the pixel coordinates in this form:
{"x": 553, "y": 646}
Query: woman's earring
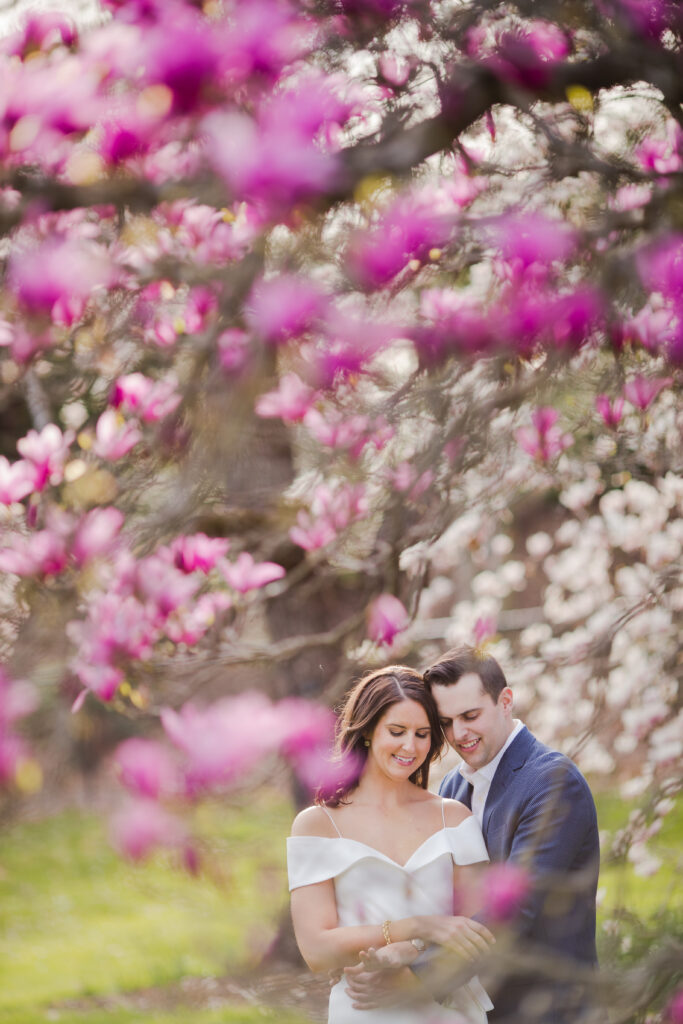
{"x": 366, "y": 742}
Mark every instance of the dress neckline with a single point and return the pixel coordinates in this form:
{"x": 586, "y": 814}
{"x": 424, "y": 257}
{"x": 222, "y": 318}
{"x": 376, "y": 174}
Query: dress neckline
{"x": 379, "y": 853}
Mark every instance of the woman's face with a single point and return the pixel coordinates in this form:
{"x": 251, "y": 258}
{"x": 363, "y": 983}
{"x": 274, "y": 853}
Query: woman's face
{"x": 401, "y": 740}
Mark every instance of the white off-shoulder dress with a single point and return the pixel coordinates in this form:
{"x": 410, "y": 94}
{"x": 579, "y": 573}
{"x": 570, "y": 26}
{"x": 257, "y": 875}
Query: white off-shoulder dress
{"x": 371, "y": 888}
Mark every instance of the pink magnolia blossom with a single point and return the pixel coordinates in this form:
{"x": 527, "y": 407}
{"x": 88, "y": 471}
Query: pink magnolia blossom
{"x": 162, "y": 586}
{"x": 114, "y": 436}
{"x": 504, "y": 888}
{"x": 58, "y": 270}
{"x": 284, "y": 307}
{"x": 662, "y": 155}
{"x": 660, "y": 266}
{"x": 41, "y": 30}
{"x": 38, "y": 554}
{"x": 407, "y": 230}
{"x": 151, "y": 400}
{"x": 245, "y": 574}
{"x": 47, "y": 451}
{"x": 290, "y": 401}
{"x": 394, "y": 69}
{"x": 182, "y": 53}
{"x": 675, "y": 1008}
{"x": 336, "y": 431}
{"x": 484, "y": 630}
{"x": 188, "y": 625}
{"x": 198, "y": 552}
{"x": 145, "y": 767}
{"x": 17, "y": 479}
{"x": 233, "y": 349}
{"x": 641, "y": 391}
{"x": 610, "y": 410}
{"x": 312, "y": 533}
{"x": 96, "y": 534}
{"x": 654, "y": 327}
{"x": 142, "y": 827}
{"x": 308, "y": 747}
{"x": 275, "y": 158}
{"x": 386, "y": 617}
{"x": 543, "y": 440}
{"x": 225, "y": 740}
{"x": 529, "y": 238}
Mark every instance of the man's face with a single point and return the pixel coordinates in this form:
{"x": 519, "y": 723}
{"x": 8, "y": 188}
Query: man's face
{"x": 475, "y": 726}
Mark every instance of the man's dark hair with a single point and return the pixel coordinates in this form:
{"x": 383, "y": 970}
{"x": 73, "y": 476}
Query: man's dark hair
{"x": 461, "y": 660}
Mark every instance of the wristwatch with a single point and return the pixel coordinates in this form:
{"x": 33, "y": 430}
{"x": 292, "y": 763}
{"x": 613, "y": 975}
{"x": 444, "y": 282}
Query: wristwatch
{"x": 420, "y": 945}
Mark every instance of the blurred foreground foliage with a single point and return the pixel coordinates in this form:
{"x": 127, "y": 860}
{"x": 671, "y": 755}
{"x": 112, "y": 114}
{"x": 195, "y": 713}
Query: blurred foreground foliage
{"x": 77, "y": 922}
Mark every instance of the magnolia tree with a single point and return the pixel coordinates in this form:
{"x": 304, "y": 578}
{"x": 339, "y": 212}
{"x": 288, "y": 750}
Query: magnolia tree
{"x": 334, "y": 333}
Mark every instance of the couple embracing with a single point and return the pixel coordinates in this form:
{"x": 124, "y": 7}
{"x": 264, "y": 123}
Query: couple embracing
{"x": 385, "y": 876}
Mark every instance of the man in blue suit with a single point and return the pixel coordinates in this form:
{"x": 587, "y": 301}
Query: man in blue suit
{"x": 536, "y": 811}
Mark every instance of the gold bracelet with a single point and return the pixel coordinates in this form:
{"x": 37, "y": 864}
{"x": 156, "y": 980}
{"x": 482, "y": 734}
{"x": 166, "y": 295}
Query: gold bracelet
{"x": 386, "y": 934}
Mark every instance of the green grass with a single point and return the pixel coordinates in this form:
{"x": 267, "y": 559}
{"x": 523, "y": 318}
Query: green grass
{"x": 621, "y": 887}
{"x": 186, "y": 1015}
{"x": 76, "y": 920}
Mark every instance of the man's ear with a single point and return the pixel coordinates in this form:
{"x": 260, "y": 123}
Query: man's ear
{"x": 505, "y": 699}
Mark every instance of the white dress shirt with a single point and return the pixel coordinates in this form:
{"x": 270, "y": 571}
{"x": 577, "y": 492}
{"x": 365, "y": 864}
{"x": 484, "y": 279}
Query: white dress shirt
{"x": 482, "y": 778}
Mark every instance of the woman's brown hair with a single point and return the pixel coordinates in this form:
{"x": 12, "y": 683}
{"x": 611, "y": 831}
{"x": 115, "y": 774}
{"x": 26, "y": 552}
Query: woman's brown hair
{"x": 362, "y": 709}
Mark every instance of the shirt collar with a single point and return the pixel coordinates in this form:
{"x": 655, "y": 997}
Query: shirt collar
{"x": 483, "y": 775}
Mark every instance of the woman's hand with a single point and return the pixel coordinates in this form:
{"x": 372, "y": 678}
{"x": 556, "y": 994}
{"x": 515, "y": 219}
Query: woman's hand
{"x": 398, "y": 954}
{"x": 461, "y": 935}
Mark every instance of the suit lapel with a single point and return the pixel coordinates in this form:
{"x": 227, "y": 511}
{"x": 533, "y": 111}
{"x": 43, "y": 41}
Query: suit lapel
{"x": 511, "y": 761}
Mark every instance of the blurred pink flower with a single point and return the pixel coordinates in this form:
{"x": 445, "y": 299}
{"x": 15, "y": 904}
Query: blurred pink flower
{"x": 543, "y": 440}
{"x": 394, "y": 69}
{"x": 96, "y": 533}
{"x": 662, "y": 155}
{"x": 336, "y": 431}
{"x": 675, "y": 1008}
{"x": 312, "y": 533}
{"x": 17, "y": 699}
{"x": 610, "y": 410}
{"x": 233, "y": 349}
{"x": 529, "y": 238}
{"x": 504, "y": 888}
{"x": 58, "y": 269}
{"x": 198, "y": 552}
{"x": 408, "y": 229}
{"x": 17, "y": 479}
{"x": 182, "y": 53}
{"x": 37, "y": 554}
{"x": 275, "y": 159}
{"x": 284, "y": 307}
{"x": 142, "y": 826}
{"x": 641, "y": 391}
{"x": 484, "y": 630}
{"x": 386, "y": 617}
{"x": 245, "y": 574}
{"x": 47, "y": 451}
{"x": 151, "y": 400}
{"x": 188, "y": 625}
{"x": 226, "y": 740}
{"x": 162, "y": 586}
{"x": 660, "y": 266}
{"x": 146, "y": 768}
{"x": 41, "y": 30}
{"x": 114, "y": 436}
{"x": 654, "y": 327}
{"x": 290, "y": 401}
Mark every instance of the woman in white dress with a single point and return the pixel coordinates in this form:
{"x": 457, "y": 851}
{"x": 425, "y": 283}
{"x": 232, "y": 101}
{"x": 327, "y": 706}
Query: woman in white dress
{"x": 373, "y": 868}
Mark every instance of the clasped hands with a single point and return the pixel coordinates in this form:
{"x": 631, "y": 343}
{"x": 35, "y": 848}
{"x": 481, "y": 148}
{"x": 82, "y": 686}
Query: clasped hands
{"x": 382, "y": 976}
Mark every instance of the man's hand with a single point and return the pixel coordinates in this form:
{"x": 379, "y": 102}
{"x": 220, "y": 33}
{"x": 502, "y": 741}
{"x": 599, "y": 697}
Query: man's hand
{"x": 461, "y": 935}
{"x": 386, "y": 986}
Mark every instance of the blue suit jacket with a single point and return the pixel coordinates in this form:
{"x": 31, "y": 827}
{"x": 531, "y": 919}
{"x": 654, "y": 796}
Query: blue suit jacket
{"x": 540, "y": 813}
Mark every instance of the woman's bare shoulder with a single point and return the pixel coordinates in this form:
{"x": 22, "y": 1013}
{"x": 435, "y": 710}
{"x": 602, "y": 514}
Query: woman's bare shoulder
{"x": 313, "y": 821}
{"x": 454, "y": 812}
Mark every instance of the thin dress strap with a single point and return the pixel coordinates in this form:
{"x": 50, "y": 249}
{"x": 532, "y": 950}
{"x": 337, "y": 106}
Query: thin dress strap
{"x": 331, "y": 819}
{"x": 443, "y": 812}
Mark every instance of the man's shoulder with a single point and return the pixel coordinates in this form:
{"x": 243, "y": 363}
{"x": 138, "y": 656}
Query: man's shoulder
{"x": 451, "y": 783}
{"x": 545, "y": 765}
